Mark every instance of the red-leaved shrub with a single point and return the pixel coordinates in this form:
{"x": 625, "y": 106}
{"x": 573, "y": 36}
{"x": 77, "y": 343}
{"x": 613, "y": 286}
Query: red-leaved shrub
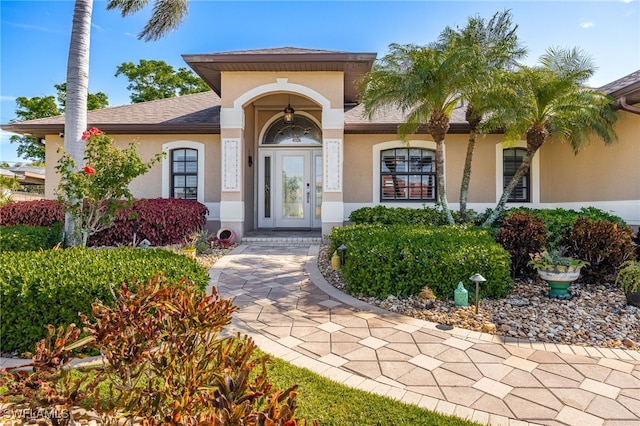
{"x": 605, "y": 245}
{"x": 31, "y": 213}
{"x": 522, "y": 233}
{"x": 162, "y": 221}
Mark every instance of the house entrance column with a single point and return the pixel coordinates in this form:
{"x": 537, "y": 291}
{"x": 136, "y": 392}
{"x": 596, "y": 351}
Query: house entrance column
{"x": 232, "y": 205}
{"x": 332, "y": 164}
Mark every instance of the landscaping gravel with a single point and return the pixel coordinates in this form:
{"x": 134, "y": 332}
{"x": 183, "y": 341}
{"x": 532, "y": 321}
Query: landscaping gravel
{"x": 597, "y": 315}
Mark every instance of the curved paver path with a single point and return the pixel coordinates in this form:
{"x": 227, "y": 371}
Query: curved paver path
{"x": 294, "y": 314}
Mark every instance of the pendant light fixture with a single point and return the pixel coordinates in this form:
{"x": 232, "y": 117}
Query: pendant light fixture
{"x": 288, "y": 112}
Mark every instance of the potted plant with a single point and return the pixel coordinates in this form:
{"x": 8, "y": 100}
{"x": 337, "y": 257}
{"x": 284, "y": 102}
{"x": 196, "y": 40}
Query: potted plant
{"x": 558, "y": 270}
{"x": 628, "y": 279}
{"x": 189, "y": 245}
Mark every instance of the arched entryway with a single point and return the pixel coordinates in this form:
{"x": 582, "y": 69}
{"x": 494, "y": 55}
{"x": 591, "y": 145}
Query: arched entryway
{"x": 290, "y": 174}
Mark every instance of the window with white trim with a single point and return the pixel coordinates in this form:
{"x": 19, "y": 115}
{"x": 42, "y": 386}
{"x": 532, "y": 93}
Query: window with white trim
{"x": 407, "y": 174}
{"x": 511, "y": 161}
{"x": 184, "y": 173}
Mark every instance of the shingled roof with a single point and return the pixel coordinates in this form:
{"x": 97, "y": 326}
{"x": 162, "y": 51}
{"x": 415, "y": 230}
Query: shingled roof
{"x": 196, "y": 113}
{"x": 200, "y": 113}
{"x": 626, "y": 88}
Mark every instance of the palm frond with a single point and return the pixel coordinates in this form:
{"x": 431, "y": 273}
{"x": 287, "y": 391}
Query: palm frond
{"x": 127, "y": 7}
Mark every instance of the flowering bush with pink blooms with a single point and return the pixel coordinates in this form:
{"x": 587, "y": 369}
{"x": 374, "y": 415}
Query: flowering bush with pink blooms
{"x": 92, "y": 192}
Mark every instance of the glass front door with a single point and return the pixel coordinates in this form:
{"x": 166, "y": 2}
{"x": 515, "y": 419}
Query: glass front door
{"x": 291, "y": 183}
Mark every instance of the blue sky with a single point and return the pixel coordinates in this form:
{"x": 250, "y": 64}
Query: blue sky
{"x": 34, "y": 36}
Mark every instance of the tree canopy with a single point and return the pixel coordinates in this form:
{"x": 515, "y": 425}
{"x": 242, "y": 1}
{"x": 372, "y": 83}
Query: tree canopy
{"x": 550, "y": 102}
{"x": 151, "y": 79}
{"x": 97, "y": 100}
{"x": 36, "y": 107}
{"x": 425, "y": 83}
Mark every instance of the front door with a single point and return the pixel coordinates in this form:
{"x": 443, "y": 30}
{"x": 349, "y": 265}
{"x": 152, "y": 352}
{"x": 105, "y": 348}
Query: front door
{"x": 290, "y": 188}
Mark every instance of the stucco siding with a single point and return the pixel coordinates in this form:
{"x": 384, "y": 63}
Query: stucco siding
{"x": 360, "y": 157}
{"x": 598, "y": 172}
{"x": 329, "y": 84}
{"x": 150, "y": 184}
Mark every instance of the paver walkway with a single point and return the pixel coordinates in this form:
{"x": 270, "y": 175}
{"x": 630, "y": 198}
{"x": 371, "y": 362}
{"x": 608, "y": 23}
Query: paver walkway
{"x": 294, "y": 314}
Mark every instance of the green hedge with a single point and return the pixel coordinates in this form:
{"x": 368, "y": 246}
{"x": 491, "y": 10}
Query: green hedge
{"x": 382, "y": 215}
{"x": 401, "y": 260}
{"x": 50, "y": 287}
{"x": 24, "y": 238}
{"x": 398, "y": 216}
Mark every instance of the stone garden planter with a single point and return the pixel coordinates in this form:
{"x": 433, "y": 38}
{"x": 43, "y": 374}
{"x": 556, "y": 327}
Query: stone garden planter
{"x": 559, "y": 282}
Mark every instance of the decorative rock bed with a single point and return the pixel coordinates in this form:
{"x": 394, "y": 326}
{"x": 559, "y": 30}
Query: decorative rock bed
{"x": 597, "y": 315}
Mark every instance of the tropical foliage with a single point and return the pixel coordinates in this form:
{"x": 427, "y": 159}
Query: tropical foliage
{"x": 166, "y": 16}
{"x": 550, "y": 102}
{"x": 93, "y": 195}
{"x": 425, "y": 83}
{"x": 491, "y": 47}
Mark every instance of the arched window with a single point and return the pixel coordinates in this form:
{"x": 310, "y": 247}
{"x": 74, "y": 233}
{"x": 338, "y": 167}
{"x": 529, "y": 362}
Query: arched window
{"x": 407, "y": 174}
{"x": 511, "y": 160}
{"x": 303, "y": 131}
{"x": 184, "y": 173}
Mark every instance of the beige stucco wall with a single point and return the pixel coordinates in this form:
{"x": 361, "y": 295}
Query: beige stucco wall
{"x": 329, "y": 84}
{"x": 598, "y": 172}
{"x": 150, "y": 184}
{"x": 359, "y": 165}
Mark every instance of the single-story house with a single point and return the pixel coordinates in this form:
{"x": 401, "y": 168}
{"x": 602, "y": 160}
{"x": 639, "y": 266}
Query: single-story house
{"x": 281, "y": 142}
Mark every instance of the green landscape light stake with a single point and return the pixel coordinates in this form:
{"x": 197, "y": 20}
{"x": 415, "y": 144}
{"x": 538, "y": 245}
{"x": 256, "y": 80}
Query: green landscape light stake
{"x": 477, "y": 278}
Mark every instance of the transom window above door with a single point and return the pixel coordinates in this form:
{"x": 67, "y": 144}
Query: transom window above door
{"x": 303, "y": 131}
{"x": 407, "y": 174}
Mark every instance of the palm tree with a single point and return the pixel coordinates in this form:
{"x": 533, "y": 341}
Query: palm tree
{"x": 425, "y": 83}
{"x": 550, "y": 102}
{"x": 490, "y": 46}
{"x": 75, "y": 119}
{"x": 167, "y": 15}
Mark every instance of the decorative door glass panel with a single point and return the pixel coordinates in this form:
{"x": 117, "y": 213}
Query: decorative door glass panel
{"x": 293, "y": 187}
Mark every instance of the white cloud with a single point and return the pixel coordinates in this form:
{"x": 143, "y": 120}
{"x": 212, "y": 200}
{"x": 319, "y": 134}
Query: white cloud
{"x": 7, "y": 98}
{"x": 128, "y": 34}
{"x": 30, "y": 27}
{"x": 587, "y": 24}
{"x": 96, "y": 26}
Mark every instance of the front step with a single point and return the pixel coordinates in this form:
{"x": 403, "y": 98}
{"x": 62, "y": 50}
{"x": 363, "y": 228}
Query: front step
{"x": 283, "y": 237}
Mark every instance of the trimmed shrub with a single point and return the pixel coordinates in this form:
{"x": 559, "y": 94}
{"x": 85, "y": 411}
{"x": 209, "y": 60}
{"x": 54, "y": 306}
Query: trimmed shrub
{"x": 559, "y": 222}
{"x": 605, "y": 245}
{"x": 25, "y": 238}
{"x": 51, "y": 287}
{"x": 397, "y": 216}
{"x": 400, "y": 260}
{"x": 522, "y": 233}
{"x": 32, "y": 213}
{"x": 162, "y": 221}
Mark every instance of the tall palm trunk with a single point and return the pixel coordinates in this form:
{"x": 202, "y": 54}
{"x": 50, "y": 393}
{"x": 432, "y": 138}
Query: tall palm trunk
{"x": 438, "y": 126}
{"x": 75, "y": 121}
{"x": 473, "y": 121}
{"x": 466, "y": 174}
{"x": 535, "y": 138}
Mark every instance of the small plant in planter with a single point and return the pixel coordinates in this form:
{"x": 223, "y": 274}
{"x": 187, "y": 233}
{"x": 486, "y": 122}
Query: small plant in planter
{"x": 558, "y": 270}
{"x": 189, "y": 245}
{"x": 628, "y": 279}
